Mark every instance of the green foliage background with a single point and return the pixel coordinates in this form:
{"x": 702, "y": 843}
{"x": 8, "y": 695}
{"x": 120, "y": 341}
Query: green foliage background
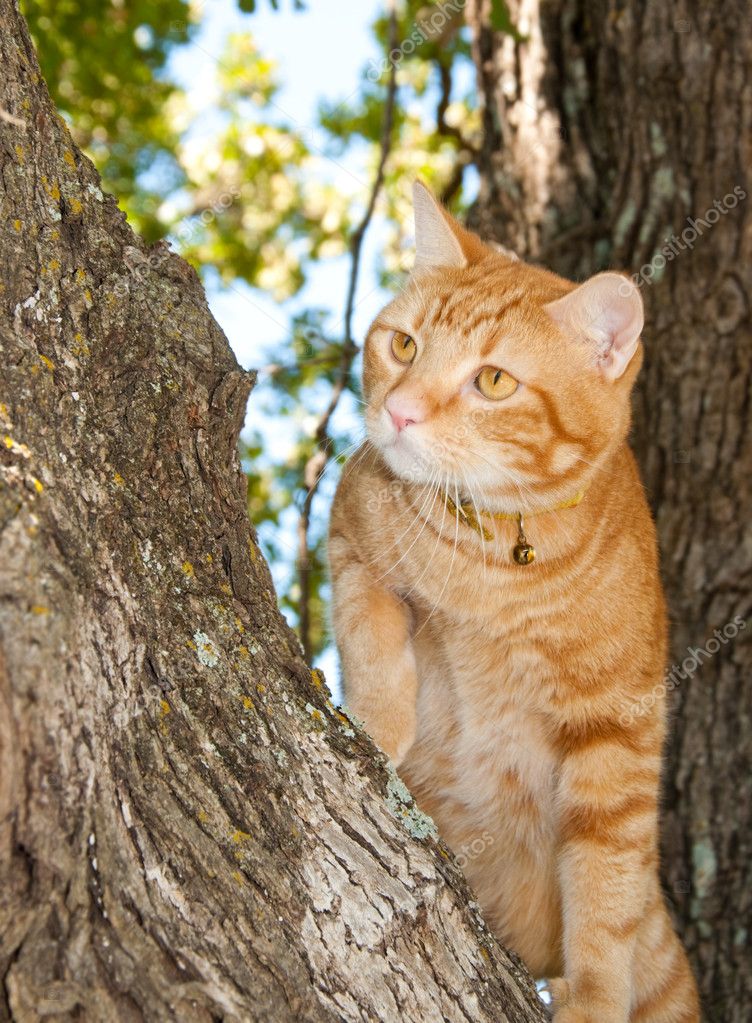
{"x": 254, "y": 203}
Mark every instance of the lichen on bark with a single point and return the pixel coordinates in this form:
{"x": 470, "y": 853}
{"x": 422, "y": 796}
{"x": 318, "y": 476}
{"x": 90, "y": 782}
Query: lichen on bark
{"x": 188, "y": 828}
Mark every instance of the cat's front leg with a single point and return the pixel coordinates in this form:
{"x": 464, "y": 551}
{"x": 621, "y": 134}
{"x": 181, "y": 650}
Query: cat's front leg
{"x": 608, "y": 820}
{"x": 371, "y": 627}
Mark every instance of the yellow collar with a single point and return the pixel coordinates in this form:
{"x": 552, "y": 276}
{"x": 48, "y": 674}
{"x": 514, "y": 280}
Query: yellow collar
{"x": 523, "y": 553}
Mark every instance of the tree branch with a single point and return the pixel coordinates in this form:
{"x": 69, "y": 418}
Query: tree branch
{"x": 445, "y": 96}
{"x": 315, "y": 466}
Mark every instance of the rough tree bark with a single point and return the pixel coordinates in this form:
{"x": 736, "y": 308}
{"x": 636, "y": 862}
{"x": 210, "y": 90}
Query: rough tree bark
{"x": 188, "y": 829}
{"x": 608, "y": 127}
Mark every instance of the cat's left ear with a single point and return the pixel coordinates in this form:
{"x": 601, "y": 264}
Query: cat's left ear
{"x": 607, "y": 312}
{"x": 439, "y": 240}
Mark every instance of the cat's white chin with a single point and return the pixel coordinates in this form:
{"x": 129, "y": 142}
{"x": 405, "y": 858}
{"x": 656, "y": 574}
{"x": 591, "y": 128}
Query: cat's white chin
{"x": 404, "y": 454}
{"x": 410, "y": 453}
{"x": 406, "y": 462}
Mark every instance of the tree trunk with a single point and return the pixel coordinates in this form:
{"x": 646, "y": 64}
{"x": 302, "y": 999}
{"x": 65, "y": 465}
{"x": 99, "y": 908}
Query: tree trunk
{"x": 606, "y": 129}
{"x": 188, "y": 828}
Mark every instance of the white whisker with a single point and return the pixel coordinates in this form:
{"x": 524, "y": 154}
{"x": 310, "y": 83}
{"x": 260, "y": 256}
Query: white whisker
{"x": 334, "y": 459}
{"x": 479, "y": 521}
{"x": 420, "y": 531}
{"x": 602, "y": 468}
{"x": 354, "y": 461}
{"x": 429, "y": 561}
{"x": 451, "y": 562}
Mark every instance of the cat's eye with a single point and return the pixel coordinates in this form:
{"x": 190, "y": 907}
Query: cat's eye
{"x": 495, "y": 384}
{"x": 403, "y": 347}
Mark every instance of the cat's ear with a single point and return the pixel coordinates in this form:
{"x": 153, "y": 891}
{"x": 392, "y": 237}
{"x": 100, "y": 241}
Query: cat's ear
{"x": 439, "y": 240}
{"x": 607, "y": 312}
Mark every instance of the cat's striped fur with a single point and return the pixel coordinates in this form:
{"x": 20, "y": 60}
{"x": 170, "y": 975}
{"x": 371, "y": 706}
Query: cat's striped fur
{"x": 521, "y": 703}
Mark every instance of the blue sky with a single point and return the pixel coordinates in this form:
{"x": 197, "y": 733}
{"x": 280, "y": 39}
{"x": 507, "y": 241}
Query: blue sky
{"x": 320, "y": 54}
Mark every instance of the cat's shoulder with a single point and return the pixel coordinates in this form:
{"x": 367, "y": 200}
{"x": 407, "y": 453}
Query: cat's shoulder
{"x": 363, "y": 469}
{"x": 365, "y": 487}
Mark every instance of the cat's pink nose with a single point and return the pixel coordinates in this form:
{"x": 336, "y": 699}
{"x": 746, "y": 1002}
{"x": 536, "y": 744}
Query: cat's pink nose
{"x": 405, "y": 411}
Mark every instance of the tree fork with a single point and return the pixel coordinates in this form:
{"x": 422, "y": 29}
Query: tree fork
{"x": 188, "y": 828}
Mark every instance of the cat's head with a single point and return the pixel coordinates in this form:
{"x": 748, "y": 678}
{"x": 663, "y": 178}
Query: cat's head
{"x": 498, "y": 377}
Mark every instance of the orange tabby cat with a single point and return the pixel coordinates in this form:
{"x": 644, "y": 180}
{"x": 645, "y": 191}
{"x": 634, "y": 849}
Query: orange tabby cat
{"x": 512, "y": 668}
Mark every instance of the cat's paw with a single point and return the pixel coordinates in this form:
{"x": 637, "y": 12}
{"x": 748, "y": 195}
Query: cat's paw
{"x": 559, "y": 990}
{"x": 393, "y": 733}
{"x": 568, "y": 1007}
{"x": 571, "y": 1014}
{"x": 396, "y": 745}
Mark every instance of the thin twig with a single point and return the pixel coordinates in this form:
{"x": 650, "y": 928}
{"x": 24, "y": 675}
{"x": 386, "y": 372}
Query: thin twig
{"x": 275, "y": 368}
{"x": 314, "y": 467}
{"x": 445, "y": 98}
{"x": 466, "y": 152}
{"x": 11, "y": 118}
{"x": 452, "y": 187}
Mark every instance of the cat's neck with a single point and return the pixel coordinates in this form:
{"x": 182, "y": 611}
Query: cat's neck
{"x": 607, "y": 500}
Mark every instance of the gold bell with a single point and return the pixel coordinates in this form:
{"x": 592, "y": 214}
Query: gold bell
{"x": 523, "y": 552}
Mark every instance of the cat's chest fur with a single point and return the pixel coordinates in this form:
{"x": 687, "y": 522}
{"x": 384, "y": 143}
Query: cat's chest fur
{"x": 484, "y": 766}
{"x": 481, "y": 637}
{"x": 481, "y": 708}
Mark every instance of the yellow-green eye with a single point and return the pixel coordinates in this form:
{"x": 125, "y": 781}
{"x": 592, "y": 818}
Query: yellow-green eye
{"x": 403, "y": 347}
{"x": 495, "y": 384}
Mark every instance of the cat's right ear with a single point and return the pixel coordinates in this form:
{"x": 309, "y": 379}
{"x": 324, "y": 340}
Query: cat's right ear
{"x": 439, "y": 240}
{"x": 606, "y": 311}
